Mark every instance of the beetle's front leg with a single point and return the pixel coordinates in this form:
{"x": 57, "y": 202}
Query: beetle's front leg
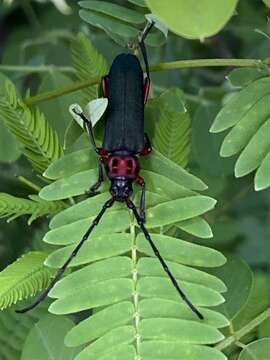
{"x": 140, "y": 181}
{"x": 93, "y": 189}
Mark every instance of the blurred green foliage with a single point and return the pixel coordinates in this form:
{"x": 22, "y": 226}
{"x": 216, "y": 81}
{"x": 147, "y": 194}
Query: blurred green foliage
{"x": 43, "y": 46}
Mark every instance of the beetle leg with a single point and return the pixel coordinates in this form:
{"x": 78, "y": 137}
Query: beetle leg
{"x": 89, "y": 128}
{"x": 147, "y": 146}
{"x": 104, "y": 85}
{"x": 93, "y": 189}
{"x": 140, "y": 181}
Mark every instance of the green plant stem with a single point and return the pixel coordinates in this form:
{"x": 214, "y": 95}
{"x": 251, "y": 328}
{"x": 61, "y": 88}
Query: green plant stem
{"x": 29, "y": 183}
{"x": 60, "y": 91}
{"x": 37, "y": 69}
{"x": 156, "y": 67}
{"x": 245, "y": 330}
{"x": 181, "y": 64}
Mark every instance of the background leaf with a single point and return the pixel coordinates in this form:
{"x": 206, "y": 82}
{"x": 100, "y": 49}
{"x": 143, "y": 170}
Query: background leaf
{"x": 192, "y": 19}
{"x": 258, "y": 350}
{"x": 45, "y": 340}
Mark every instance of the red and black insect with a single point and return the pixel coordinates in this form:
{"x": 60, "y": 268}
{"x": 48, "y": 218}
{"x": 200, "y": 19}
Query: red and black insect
{"x": 124, "y": 142}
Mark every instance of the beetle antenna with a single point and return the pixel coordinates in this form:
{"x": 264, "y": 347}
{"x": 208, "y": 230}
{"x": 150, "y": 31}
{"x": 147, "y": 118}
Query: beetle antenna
{"x": 140, "y": 222}
{"x": 142, "y": 37}
{"x": 60, "y": 272}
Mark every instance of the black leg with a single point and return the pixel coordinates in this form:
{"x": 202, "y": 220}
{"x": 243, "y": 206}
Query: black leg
{"x": 131, "y": 206}
{"x": 93, "y": 189}
{"x": 89, "y": 128}
{"x": 60, "y": 272}
{"x": 142, "y": 202}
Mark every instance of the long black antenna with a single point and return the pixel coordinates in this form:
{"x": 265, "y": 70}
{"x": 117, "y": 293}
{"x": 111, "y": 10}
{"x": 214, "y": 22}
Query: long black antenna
{"x": 60, "y": 272}
{"x": 140, "y": 222}
{"x": 144, "y": 34}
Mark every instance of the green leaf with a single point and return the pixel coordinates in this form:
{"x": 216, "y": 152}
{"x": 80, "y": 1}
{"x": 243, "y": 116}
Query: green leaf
{"x": 13, "y": 207}
{"x": 239, "y": 285}
{"x": 46, "y": 340}
{"x": 177, "y": 210}
{"x": 122, "y": 277}
{"x": 242, "y": 77}
{"x": 58, "y": 105}
{"x": 209, "y": 161}
{"x": 193, "y": 19}
{"x": 89, "y": 63}
{"x": 108, "y": 343}
{"x": 9, "y": 150}
{"x": 84, "y": 159}
{"x": 162, "y": 308}
{"x": 255, "y": 152}
{"x": 14, "y": 329}
{"x": 158, "y": 163}
{"x": 160, "y": 349}
{"x": 39, "y": 142}
{"x": 96, "y": 325}
{"x": 94, "y": 295}
{"x": 23, "y": 278}
{"x": 113, "y": 10}
{"x": 172, "y": 128}
{"x": 257, "y": 350}
{"x": 138, "y": 2}
{"x": 241, "y": 106}
{"x": 182, "y": 251}
{"x": 183, "y": 330}
{"x": 197, "y": 227}
{"x": 81, "y": 160}
{"x": 248, "y": 112}
{"x": 262, "y": 176}
{"x": 101, "y": 247}
{"x": 109, "y": 24}
{"x": 151, "y": 267}
{"x": 267, "y": 3}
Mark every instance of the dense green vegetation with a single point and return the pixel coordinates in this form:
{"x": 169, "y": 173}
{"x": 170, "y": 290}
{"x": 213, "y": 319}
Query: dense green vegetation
{"x": 207, "y": 179}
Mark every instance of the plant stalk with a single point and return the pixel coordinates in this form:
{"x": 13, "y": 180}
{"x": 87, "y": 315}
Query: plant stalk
{"x": 245, "y": 330}
{"x": 36, "y": 69}
{"x": 181, "y": 64}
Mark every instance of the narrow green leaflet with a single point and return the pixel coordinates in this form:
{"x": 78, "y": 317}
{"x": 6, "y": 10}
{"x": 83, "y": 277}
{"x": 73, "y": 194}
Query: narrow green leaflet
{"x": 119, "y": 22}
{"x": 46, "y": 340}
{"x": 23, "y": 278}
{"x": 13, "y": 207}
{"x": 39, "y": 142}
{"x": 81, "y": 160}
{"x": 242, "y": 77}
{"x": 114, "y": 10}
{"x": 239, "y": 286}
{"x": 171, "y": 135}
{"x": 193, "y": 19}
{"x": 89, "y": 63}
{"x": 248, "y": 114}
{"x": 257, "y": 350}
{"x": 160, "y": 349}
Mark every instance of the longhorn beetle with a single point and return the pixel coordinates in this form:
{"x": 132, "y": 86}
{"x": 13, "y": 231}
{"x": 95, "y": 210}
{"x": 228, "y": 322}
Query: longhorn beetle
{"x": 123, "y": 143}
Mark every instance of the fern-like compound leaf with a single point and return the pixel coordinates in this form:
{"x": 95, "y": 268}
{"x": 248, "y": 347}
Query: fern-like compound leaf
{"x": 23, "y": 278}
{"x": 172, "y": 127}
{"x": 39, "y": 142}
{"x": 89, "y": 63}
{"x": 247, "y": 116}
{"x": 136, "y": 309}
{"x": 13, "y": 207}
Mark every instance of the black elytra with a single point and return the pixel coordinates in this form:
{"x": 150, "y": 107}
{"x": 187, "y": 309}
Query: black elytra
{"x": 124, "y": 142}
